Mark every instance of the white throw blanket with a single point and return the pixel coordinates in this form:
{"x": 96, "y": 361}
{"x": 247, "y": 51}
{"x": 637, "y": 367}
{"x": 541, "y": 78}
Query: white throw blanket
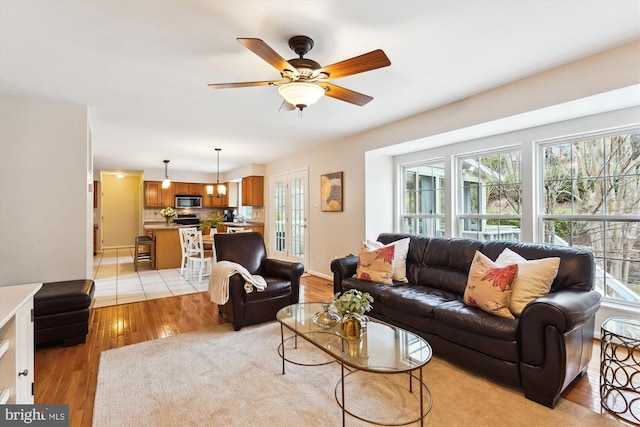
{"x": 219, "y": 280}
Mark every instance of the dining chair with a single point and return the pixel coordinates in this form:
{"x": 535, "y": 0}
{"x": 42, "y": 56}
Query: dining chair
{"x": 198, "y": 258}
{"x": 183, "y": 247}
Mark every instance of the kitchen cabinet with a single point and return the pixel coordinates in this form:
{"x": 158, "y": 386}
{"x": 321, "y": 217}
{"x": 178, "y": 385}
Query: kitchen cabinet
{"x": 213, "y": 201}
{"x": 253, "y": 191}
{"x": 190, "y": 188}
{"x": 224, "y": 228}
{"x": 168, "y": 196}
{"x": 16, "y": 343}
{"x": 157, "y": 197}
{"x": 153, "y": 194}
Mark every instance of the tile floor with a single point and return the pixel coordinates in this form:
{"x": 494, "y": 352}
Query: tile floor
{"x": 118, "y": 283}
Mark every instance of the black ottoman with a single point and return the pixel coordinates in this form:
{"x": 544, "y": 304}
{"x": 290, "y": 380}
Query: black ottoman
{"x": 61, "y": 312}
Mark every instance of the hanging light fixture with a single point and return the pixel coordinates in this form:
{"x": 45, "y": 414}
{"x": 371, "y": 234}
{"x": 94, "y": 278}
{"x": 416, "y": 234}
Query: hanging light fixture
{"x": 166, "y": 182}
{"x": 222, "y": 189}
{"x": 301, "y": 94}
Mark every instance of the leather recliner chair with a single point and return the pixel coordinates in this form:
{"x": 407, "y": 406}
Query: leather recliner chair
{"x": 282, "y": 277}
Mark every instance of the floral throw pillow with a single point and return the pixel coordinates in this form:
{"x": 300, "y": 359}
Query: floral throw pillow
{"x": 399, "y": 259}
{"x": 376, "y": 265}
{"x": 489, "y": 286}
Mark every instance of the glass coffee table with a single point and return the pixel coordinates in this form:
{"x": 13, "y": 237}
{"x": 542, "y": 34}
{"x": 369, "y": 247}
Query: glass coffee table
{"x": 382, "y": 348}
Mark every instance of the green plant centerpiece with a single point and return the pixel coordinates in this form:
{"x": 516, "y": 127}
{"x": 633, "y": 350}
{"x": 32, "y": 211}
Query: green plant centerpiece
{"x": 352, "y": 306}
{"x": 213, "y": 221}
{"x": 168, "y": 213}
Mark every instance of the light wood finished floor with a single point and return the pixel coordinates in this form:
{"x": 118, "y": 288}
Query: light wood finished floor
{"x": 69, "y": 374}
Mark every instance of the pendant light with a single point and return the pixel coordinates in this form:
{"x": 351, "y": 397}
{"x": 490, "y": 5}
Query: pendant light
{"x": 166, "y": 182}
{"x": 222, "y": 189}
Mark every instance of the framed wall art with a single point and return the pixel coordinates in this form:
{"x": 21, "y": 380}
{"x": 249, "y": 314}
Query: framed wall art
{"x": 331, "y": 192}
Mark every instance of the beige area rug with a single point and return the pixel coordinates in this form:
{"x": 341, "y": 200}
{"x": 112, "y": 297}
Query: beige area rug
{"x": 219, "y": 377}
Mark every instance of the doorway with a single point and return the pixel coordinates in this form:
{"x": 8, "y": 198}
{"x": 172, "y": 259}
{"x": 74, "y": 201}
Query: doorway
{"x": 121, "y": 200}
{"x": 290, "y": 239}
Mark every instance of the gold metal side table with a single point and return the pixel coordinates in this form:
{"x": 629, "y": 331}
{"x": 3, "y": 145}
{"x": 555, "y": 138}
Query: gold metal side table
{"x": 620, "y": 368}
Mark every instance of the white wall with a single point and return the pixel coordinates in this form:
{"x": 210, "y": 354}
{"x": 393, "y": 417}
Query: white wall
{"x": 334, "y": 234}
{"x": 45, "y": 204}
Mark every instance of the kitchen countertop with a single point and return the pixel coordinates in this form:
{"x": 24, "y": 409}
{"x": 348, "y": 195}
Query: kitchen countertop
{"x": 244, "y": 224}
{"x": 164, "y": 227}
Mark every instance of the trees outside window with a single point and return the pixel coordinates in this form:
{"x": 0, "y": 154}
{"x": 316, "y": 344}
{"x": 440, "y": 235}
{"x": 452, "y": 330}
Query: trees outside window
{"x": 490, "y": 196}
{"x": 591, "y": 199}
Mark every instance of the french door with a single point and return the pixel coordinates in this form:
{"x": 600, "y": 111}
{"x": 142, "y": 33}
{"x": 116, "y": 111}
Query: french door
{"x": 290, "y": 239}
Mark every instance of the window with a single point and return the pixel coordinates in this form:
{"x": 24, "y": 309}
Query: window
{"x": 490, "y": 196}
{"x": 590, "y": 200}
{"x": 423, "y": 201}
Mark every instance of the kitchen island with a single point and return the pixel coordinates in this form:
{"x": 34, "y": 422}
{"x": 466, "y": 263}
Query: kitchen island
{"x": 167, "y": 242}
{"x": 254, "y": 226}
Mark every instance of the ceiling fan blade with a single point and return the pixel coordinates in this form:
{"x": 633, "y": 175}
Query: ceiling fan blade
{"x": 243, "y": 84}
{"x": 359, "y": 64}
{"x": 264, "y": 51}
{"x": 346, "y": 95}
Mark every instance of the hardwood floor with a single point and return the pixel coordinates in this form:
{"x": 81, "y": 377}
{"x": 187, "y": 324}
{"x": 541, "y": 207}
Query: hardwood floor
{"x": 69, "y": 374}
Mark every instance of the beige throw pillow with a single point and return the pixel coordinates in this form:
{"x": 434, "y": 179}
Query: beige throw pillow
{"x": 533, "y": 280}
{"x": 489, "y": 286}
{"x": 400, "y": 258}
{"x": 376, "y": 265}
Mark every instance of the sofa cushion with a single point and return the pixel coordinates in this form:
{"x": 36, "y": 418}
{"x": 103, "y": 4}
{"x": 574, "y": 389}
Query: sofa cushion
{"x": 275, "y": 287}
{"x": 374, "y": 289}
{"x": 533, "y": 280}
{"x": 419, "y": 300}
{"x": 458, "y": 315}
{"x": 376, "y": 265}
{"x": 489, "y": 286}
{"x": 445, "y": 264}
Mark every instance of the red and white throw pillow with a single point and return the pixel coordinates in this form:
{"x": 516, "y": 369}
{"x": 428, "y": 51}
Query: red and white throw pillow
{"x": 489, "y": 286}
{"x": 376, "y": 265}
{"x": 399, "y": 259}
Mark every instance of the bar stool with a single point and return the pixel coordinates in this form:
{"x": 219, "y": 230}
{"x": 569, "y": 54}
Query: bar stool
{"x": 144, "y": 250}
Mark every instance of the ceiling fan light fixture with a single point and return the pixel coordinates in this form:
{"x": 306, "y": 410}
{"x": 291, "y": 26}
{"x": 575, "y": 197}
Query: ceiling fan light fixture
{"x": 301, "y": 94}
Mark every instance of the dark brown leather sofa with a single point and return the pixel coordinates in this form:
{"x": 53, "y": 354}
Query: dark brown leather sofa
{"x": 542, "y": 351}
{"x": 282, "y": 277}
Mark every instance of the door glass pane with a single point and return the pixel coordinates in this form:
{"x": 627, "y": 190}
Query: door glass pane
{"x": 297, "y": 186}
{"x": 279, "y": 203}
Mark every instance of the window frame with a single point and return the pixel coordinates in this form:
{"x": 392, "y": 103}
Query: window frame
{"x": 461, "y": 196}
{"x": 439, "y": 214}
{"x": 542, "y": 217}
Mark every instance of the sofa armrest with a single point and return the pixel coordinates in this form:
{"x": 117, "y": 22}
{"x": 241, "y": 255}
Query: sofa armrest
{"x": 283, "y": 269}
{"x": 565, "y": 311}
{"x": 343, "y": 268}
{"x": 291, "y": 271}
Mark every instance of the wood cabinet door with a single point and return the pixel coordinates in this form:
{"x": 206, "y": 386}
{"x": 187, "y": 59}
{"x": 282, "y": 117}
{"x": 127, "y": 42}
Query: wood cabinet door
{"x": 153, "y": 194}
{"x": 168, "y": 196}
{"x": 195, "y": 188}
{"x": 252, "y": 191}
{"x": 181, "y": 187}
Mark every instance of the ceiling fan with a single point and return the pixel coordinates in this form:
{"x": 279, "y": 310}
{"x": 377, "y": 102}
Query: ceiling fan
{"x": 304, "y": 80}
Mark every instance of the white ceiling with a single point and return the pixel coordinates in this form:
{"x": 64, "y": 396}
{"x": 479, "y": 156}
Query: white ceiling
{"x": 143, "y": 67}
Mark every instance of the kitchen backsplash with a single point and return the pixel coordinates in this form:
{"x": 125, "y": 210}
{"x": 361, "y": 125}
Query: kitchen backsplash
{"x": 153, "y": 214}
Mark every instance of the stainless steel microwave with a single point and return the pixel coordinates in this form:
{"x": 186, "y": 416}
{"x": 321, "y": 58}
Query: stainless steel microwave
{"x": 187, "y": 201}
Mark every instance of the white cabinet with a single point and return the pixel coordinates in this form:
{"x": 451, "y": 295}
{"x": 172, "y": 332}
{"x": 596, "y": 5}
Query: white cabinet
{"x": 16, "y": 343}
